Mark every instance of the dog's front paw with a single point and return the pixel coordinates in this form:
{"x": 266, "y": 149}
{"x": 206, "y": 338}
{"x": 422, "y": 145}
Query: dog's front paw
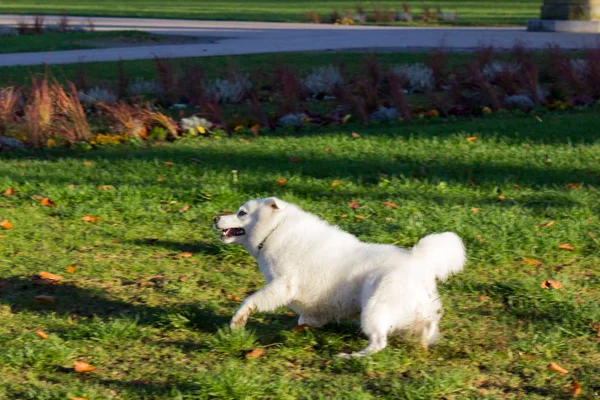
{"x": 240, "y": 318}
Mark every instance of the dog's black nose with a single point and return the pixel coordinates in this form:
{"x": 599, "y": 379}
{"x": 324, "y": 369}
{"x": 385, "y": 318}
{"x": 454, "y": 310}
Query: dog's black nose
{"x": 216, "y": 219}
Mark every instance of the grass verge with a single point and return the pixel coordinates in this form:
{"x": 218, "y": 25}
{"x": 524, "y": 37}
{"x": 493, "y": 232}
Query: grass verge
{"x": 489, "y": 12}
{"x": 153, "y": 325}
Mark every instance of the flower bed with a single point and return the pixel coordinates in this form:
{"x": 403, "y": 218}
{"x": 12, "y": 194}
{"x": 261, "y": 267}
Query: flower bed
{"x": 182, "y": 103}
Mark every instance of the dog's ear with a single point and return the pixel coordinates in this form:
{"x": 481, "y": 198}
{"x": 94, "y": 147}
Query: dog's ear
{"x": 275, "y": 203}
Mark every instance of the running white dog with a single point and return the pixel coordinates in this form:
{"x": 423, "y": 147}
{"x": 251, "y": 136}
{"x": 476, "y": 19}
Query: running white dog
{"x": 325, "y": 274}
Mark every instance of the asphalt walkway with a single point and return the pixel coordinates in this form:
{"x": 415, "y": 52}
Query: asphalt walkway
{"x": 234, "y": 38}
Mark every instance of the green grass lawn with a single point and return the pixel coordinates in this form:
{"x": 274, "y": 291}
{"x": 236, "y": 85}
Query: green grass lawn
{"x": 74, "y": 41}
{"x": 489, "y": 12}
{"x": 102, "y": 72}
{"x": 154, "y": 326}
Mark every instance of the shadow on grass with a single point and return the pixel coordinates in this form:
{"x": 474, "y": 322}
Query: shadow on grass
{"x": 196, "y": 248}
{"x": 20, "y": 293}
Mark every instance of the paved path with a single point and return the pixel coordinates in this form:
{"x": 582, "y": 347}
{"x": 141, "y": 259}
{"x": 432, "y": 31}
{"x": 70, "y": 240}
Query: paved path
{"x": 233, "y": 38}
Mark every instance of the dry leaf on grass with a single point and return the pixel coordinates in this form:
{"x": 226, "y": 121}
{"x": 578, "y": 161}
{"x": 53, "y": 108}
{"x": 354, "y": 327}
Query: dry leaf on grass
{"x": 501, "y": 198}
{"x": 43, "y": 299}
{"x": 6, "y": 225}
{"x": 480, "y": 239}
{"x": 354, "y": 205}
{"x": 233, "y": 298}
{"x": 545, "y": 224}
{"x": 389, "y": 204}
{"x": 81, "y": 366}
{"x": 9, "y": 192}
{"x": 532, "y": 261}
{"x": 547, "y": 284}
{"x": 557, "y": 368}
{"x": 89, "y": 218}
{"x": 2, "y": 236}
{"x": 328, "y": 149}
{"x": 256, "y": 353}
{"x": 47, "y": 202}
{"x": 475, "y": 209}
{"x": 185, "y": 254}
{"x": 281, "y": 181}
{"x": 169, "y": 163}
{"x": 71, "y": 186}
{"x": 471, "y": 139}
{"x": 41, "y": 334}
{"x": 71, "y": 269}
{"x": 360, "y": 217}
{"x": 106, "y": 187}
{"x": 355, "y": 135}
{"x": 575, "y": 388}
{"x": 78, "y": 398}
{"x": 336, "y": 182}
{"x": 388, "y": 219}
{"x": 573, "y": 186}
{"x": 566, "y": 246}
{"x": 160, "y": 180}
{"x": 87, "y": 163}
{"x": 300, "y": 328}
{"x": 184, "y": 208}
{"x": 50, "y": 277}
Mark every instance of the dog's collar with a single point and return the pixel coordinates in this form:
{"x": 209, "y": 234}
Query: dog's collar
{"x": 262, "y": 244}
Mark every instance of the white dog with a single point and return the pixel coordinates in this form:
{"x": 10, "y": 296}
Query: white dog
{"x": 325, "y": 274}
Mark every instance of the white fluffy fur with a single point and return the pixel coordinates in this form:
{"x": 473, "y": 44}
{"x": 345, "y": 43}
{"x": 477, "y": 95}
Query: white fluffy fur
{"x": 325, "y": 274}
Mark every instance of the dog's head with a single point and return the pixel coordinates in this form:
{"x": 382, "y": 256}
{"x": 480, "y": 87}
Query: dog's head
{"x": 251, "y": 223}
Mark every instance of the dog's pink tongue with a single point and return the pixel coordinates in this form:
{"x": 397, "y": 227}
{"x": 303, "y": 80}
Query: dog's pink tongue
{"x": 227, "y": 232}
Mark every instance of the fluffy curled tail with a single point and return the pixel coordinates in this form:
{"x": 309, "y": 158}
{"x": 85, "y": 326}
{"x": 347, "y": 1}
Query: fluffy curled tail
{"x": 442, "y": 253}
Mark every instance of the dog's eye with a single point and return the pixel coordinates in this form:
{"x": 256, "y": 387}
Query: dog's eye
{"x": 242, "y": 213}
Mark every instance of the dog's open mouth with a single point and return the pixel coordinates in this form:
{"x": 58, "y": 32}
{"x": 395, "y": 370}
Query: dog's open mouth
{"x": 233, "y": 232}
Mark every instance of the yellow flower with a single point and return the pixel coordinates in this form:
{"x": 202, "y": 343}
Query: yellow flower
{"x": 50, "y": 143}
{"x": 201, "y": 129}
{"x": 486, "y": 110}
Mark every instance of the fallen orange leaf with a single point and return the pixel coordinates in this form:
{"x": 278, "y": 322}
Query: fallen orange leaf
{"x": 388, "y": 204}
{"x": 106, "y": 187}
{"x": 50, "y": 277}
{"x": 344, "y": 216}
{"x": 336, "y": 182}
{"x": 71, "y": 268}
{"x": 9, "y": 192}
{"x": 545, "y": 224}
{"x": 566, "y": 246}
{"x": 532, "y": 261}
{"x": 81, "y": 366}
{"x": 169, "y": 163}
{"x": 2, "y": 236}
{"x": 89, "y": 218}
{"x": 42, "y": 299}
{"x": 6, "y": 225}
{"x": 41, "y": 334}
{"x": 87, "y": 163}
{"x": 185, "y": 254}
{"x": 482, "y": 299}
{"x": 575, "y": 388}
{"x": 471, "y": 139}
{"x": 300, "y": 328}
{"x": 388, "y": 219}
{"x": 160, "y": 179}
{"x": 184, "y": 208}
{"x": 71, "y": 186}
{"x": 281, "y": 181}
{"x": 354, "y": 205}
{"x": 501, "y": 198}
{"x": 557, "y": 368}
{"x": 572, "y": 186}
{"x": 47, "y": 202}
{"x": 256, "y": 353}
{"x": 551, "y": 284}
{"x": 328, "y": 149}
{"x": 475, "y": 209}
{"x": 355, "y": 135}
{"x": 481, "y": 239}
{"x": 233, "y": 298}
{"x": 78, "y": 398}
{"x": 360, "y": 217}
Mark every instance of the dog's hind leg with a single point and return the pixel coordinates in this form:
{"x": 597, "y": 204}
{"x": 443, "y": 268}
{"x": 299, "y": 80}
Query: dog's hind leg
{"x": 430, "y": 333}
{"x": 377, "y": 342}
{"x": 312, "y": 321}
